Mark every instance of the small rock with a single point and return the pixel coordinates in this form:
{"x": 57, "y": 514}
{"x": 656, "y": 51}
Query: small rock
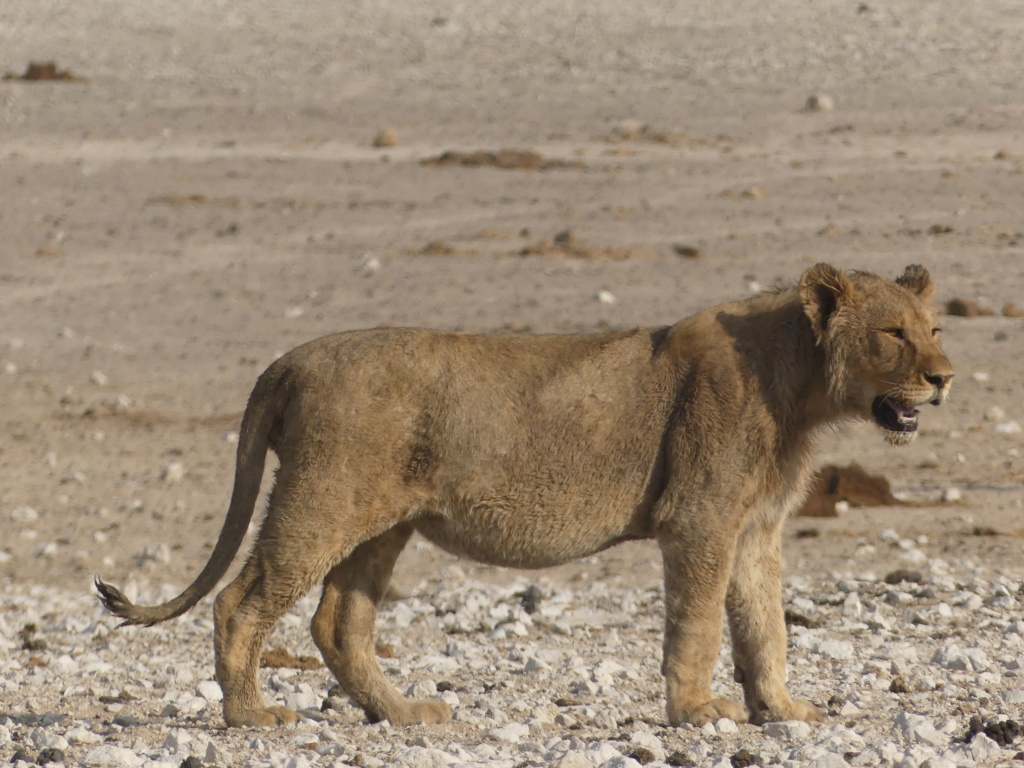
{"x": 306, "y": 741}
{"x": 81, "y": 735}
{"x": 173, "y": 472}
{"x": 982, "y": 748}
{"x": 725, "y": 725}
{"x": 574, "y": 760}
{"x": 177, "y": 740}
{"x": 385, "y": 138}
{"x": 421, "y": 757}
{"x": 901, "y": 575}
{"x": 99, "y": 378}
{"x": 425, "y": 689}
{"x": 819, "y": 102}
{"x": 648, "y": 742}
{"x": 512, "y": 733}
{"x": 743, "y": 759}
{"x": 210, "y": 690}
{"x": 42, "y": 738}
{"x": 899, "y": 685}
{"x": 24, "y": 514}
{"x": 110, "y": 756}
{"x": 687, "y": 251}
{"x": 50, "y": 755}
{"x": 995, "y": 413}
{"x": 788, "y": 730}
{"x": 955, "y": 658}
{"x": 606, "y": 297}
{"x": 950, "y": 494}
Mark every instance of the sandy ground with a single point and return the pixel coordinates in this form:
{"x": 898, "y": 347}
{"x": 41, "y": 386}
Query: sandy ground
{"x": 208, "y": 195}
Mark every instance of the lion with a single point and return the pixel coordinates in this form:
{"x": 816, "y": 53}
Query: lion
{"x": 529, "y": 451}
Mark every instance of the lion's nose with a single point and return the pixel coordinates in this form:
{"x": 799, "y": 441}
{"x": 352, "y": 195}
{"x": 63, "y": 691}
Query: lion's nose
{"x": 939, "y": 380}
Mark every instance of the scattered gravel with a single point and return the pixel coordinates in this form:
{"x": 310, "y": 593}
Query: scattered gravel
{"x": 917, "y": 671}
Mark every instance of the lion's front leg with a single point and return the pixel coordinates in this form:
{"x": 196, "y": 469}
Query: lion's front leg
{"x": 758, "y": 628}
{"x": 696, "y": 577}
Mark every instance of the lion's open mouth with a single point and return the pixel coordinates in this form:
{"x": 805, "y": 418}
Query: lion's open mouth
{"x": 894, "y": 416}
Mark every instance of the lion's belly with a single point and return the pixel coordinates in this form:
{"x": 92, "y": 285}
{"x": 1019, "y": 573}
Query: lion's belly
{"x": 527, "y": 540}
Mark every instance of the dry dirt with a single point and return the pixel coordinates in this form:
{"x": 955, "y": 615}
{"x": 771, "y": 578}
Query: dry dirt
{"x": 208, "y": 194}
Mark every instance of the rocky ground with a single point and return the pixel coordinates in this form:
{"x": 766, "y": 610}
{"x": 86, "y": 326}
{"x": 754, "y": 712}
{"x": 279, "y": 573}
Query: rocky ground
{"x": 208, "y": 185}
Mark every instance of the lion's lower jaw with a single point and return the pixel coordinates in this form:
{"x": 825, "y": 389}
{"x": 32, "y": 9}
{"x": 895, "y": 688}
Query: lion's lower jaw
{"x": 898, "y": 438}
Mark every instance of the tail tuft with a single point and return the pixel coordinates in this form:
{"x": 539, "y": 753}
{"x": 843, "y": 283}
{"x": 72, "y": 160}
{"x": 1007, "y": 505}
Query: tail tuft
{"x": 119, "y": 605}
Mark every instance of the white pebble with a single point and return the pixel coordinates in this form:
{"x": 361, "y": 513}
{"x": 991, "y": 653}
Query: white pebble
{"x": 82, "y": 735}
{"x": 24, "y": 514}
{"x": 606, "y": 297}
{"x": 99, "y": 378}
{"x": 725, "y": 725}
{"x": 983, "y": 748}
{"x": 177, "y": 740}
{"x": 995, "y": 413}
{"x": 423, "y": 757}
{"x": 110, "y": 756}
{"x": 513, "y": 732}
{"x": 950, "y": 494}
{"x": 425, "y": 689}
{"x": 955, "y": 658}
{"x": 47, "y": 550}
{"x": 210, "y": 690}
{"x": 42, "y": 738}
{"x": 173, "y": 472}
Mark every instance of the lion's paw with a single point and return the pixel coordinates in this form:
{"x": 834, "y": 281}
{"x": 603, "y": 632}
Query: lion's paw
{"x": 708, "y": 712}
{"x": 796, "y": 709}
{"x": 261, "y": 718}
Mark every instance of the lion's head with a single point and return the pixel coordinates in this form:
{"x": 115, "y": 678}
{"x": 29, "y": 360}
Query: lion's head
{"x": 881, "y": 343}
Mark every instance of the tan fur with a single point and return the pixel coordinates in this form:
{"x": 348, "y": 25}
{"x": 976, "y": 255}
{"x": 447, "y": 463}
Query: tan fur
{"x": 529, "y": 451}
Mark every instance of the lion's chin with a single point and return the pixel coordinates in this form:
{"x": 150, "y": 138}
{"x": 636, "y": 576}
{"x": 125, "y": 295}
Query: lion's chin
{"x": 899, "y": 438}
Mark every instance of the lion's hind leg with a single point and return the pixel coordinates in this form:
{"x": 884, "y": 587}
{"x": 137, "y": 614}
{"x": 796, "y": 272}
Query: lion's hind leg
{"x": 291, "y": 554}
{"x": 343, "y": 629}
{"x": 242, "y": 619}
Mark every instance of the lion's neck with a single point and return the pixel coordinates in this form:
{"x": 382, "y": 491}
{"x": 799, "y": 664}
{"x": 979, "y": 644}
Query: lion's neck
{"x": 791, "y": 367}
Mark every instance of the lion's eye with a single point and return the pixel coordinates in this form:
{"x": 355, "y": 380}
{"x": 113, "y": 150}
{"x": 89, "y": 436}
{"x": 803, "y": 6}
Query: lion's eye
{"x": 936, "y": 331}
{"x": 896, "y": 333}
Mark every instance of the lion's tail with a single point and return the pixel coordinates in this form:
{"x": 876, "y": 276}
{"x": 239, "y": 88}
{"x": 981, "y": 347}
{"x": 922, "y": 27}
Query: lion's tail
{"x": 266, "y": 404}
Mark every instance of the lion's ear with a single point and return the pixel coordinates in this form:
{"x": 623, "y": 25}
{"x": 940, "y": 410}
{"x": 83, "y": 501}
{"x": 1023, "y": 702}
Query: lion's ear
{"x": 916, "y": 279}
{"x": 823, "y": 288}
